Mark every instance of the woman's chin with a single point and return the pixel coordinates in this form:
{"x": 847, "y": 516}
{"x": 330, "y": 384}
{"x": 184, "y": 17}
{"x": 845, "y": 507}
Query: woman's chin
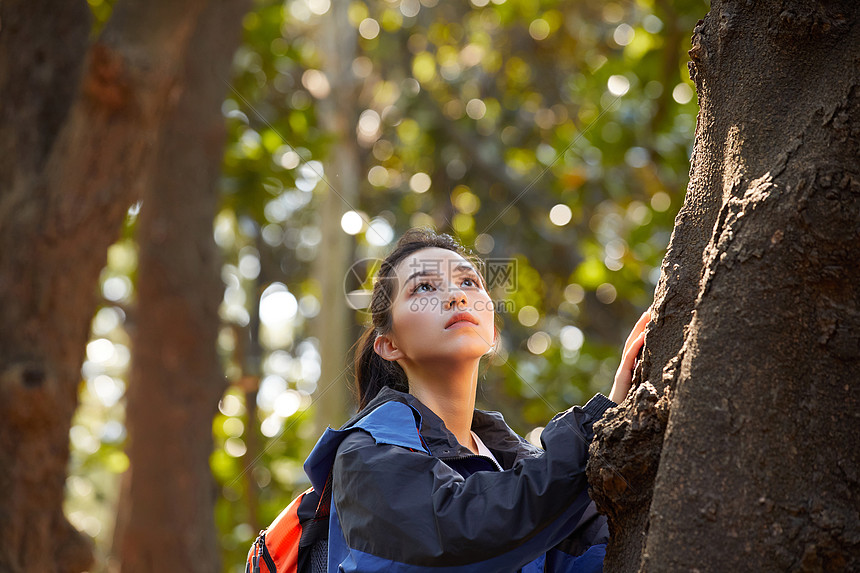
{"x": 457, "y": 354}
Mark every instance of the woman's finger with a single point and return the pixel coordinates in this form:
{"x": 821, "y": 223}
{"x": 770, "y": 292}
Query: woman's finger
{"x": 632, "y": 351}
{"x": 637, "y": 329}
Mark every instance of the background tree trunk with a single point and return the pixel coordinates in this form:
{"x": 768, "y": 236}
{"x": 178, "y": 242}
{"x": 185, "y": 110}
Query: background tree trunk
{"x": 738, "y": 449}
{"x": 78, "y": 125}
{"x": 167, "y": 507}
{"x": 332, "y": 325}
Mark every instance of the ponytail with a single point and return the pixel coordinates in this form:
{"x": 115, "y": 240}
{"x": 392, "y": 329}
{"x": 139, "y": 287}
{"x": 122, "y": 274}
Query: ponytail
{"x": 372, "y": 372}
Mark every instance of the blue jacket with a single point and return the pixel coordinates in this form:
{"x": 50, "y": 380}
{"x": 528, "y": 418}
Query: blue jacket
{"x": 406, "y": 496}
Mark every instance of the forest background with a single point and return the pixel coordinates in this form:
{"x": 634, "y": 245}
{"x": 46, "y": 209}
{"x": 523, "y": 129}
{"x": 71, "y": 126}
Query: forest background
{"x": 551, "y": 137}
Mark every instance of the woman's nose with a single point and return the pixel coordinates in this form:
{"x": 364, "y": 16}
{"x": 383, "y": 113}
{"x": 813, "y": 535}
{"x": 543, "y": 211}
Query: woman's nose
{"x": 456, "y": 297}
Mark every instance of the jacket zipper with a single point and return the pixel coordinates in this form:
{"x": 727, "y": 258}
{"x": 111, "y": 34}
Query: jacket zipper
{"x": 461, "y": 458}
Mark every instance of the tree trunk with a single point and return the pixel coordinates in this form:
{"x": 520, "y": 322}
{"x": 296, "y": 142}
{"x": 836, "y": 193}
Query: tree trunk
{"x": 338, "y": 114}
{"x": 249, "y": 354}
{"x": 167, "y": 508}
{"x": 78, "y": 124}
{"x": 738, "y": 449}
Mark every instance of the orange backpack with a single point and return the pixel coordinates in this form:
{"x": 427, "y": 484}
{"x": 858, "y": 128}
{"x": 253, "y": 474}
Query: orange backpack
{"x": 297, "y": 540}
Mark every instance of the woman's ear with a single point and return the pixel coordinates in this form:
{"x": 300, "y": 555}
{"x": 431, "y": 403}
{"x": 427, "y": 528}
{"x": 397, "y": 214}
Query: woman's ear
{"x": 386, "y": 348}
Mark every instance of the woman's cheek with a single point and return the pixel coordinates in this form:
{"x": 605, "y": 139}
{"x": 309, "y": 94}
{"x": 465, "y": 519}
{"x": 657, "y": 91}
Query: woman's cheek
{"x": 488, "y": 317}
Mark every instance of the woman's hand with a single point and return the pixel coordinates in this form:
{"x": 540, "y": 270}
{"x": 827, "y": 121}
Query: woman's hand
{"x": 624, "y": 374}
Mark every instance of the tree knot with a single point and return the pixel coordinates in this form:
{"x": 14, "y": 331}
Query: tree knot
{"x": 106, "y": 82}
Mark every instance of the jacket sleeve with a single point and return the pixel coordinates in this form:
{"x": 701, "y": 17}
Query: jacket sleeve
{"x": 399, "y": 506}
{"x": 583, "y": 550}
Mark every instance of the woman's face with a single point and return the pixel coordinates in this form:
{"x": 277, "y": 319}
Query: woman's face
{"x": 440, "y": 309}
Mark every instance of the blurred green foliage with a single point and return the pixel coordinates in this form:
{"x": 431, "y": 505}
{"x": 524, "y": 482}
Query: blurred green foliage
{"x": 552, "y": 134}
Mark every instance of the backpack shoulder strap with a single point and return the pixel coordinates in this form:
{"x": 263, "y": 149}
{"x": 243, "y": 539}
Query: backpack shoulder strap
{"x": 314, "y": 513}
{"x": 314, "y": 520}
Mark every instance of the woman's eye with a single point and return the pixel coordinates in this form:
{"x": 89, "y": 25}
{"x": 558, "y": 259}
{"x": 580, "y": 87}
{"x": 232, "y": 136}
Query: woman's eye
{"x": 473, "y": 282}
{"x": 421, "y": 285}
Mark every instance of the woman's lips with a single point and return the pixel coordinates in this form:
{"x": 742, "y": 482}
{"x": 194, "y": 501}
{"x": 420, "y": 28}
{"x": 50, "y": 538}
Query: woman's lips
{"x": 461, "y": 318}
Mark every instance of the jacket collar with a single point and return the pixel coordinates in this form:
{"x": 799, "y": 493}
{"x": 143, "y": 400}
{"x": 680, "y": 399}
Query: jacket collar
{"x": 500, "y": 439}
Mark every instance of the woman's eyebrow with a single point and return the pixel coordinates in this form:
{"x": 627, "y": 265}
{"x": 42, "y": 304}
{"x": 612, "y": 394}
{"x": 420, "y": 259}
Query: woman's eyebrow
{"x": 419, "y": 274}
{"x": 462, "y": 267}
{"x": 465, "y": 267}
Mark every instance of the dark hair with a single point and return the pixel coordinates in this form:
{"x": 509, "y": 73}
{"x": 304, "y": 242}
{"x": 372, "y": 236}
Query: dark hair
{"x": 372, "y": 372}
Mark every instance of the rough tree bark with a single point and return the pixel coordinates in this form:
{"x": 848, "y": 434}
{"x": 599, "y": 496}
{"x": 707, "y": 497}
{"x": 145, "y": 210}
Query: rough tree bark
{"x": 78, "y": 125}
{"x": 166, "y": 516}
{"x": 737, "y": 450}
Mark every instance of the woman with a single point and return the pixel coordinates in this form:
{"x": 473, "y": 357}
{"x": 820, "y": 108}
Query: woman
{"x": 420, "y": 480}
